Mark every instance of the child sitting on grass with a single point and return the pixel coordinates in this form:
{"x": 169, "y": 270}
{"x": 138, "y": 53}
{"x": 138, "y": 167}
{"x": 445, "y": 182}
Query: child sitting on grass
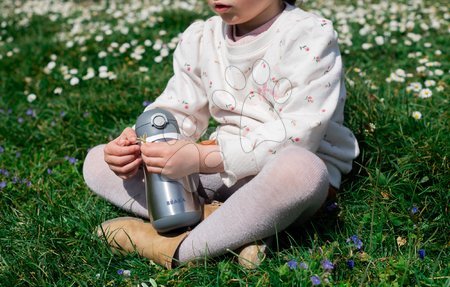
{"x": 271, "y": 76}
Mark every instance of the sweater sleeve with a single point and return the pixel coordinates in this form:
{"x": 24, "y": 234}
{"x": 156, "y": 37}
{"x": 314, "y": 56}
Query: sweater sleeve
{"x": 184, "y": 95}
{"x": 302, "y": 101}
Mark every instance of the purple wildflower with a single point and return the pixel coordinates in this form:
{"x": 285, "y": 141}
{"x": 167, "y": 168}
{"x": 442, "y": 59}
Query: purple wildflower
{"x": 18, "y": 154}
{"x": 350, "y": 263}
{"x": 146, "y": 103}
{"x": 4, "y": 172}
{"x": 2, "y": 149}
{"x": 333, "y": 206}
{"x": 414, "y": 210}
{"x": 303, "y": 265}
{"x": 315, "y": 280}
{"x": 15, "y": 180}
{"x": 124, "y": 272}
{"x": 356, "y": 241}
{"x": 62, "y": 114}
{"x": 421, "y": 253}
{"x": 2, "y": 184}
{"x": 327, "y": 265}
{"x": 30, "y": 112}
{"x": 71, "y": 160}
{"x": 49, "y": 171}
{"x": 292, "y": 264}
{"x": 20, "y": 120}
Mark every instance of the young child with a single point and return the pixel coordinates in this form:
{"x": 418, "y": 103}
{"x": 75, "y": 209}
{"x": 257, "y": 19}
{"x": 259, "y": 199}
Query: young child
{"x": 271, "y": 76}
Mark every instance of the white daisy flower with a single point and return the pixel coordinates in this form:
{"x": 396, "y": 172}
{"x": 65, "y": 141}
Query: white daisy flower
{"x": 438, "y": 72}
{"x": 416, "y": 87}
{"x": 143, "y": 69}
{"x": 112, "y": 76}
{"x": 164, "y": 52}
{"x": 366, "y": 46}
{"x": 379, "y": 40}
{"x": 421, "y": 69}
{"x": 90, "y": 74}
{"x": 98, "y": 38}
{"x": 103, "y": 74}
{"x": 148, "y": 43}
{"x": 400, "y": 73}
{"x": 74, "y": 81}
{"x": 416, "y": 115}
{"x": 425, "y": 93}
{"x": 158, "y": 59}
{"x": 51, "y": 65}
{"x": 430, "y": 83}
{"x": 57, "y": 91}
{"x": 31, "y": 98}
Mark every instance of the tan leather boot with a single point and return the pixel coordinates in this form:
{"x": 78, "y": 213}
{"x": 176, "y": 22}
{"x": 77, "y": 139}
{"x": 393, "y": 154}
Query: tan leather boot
{"x": 129, "y": 234}
{"x": 251, "y": 255}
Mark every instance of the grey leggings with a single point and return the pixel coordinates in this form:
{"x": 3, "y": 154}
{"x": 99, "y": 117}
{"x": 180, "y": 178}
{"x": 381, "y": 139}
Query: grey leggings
{"x": 289, "y": 188}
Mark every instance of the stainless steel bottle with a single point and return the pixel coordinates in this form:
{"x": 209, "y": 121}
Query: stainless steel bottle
{"x": 171, "y": 203}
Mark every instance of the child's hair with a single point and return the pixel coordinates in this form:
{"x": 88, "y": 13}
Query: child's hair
{"x": 291, "y": 2}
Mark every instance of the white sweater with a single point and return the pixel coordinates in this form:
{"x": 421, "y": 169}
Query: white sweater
{"x": 283, "y": 87}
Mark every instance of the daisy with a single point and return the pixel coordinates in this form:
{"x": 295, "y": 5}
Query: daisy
{"x": 416, "y": 115}
{"x": 57, "y": 91}
{"x": 379, "y": 40}
{"x": 74, "y": 81}
{"x": 430, "y": 83}
{"x": 438, "y": 72}
{"x": 415, "y": 87}
{"x": 143, "y": 69}
{"x": 425, "y": 93}
{"x": 158, "y": 59}
{"x": 31, "y": 98}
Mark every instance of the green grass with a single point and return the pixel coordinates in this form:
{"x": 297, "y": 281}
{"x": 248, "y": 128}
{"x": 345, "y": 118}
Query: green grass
{"x": 395, "y": 200}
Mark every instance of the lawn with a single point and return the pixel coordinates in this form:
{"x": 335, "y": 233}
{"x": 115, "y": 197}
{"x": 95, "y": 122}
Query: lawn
{"x": 74, "y": 74}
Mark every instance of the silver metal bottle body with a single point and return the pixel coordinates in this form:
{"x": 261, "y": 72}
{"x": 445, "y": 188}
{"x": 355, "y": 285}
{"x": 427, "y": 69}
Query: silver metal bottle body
{"x": 171, "y": 203}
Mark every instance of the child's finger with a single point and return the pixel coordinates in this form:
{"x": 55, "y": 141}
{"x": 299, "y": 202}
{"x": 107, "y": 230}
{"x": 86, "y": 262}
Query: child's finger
{"x": 120, "y": 160}
{"x": 119, "y": 150}
{"x": 130, "y": 135}
{"x": 127, "y": 170}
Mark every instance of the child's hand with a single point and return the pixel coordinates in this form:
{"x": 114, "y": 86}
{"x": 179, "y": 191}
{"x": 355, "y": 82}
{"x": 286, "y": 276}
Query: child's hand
{"x": 123, "y": 154}
{"x": 174, "y": 159}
